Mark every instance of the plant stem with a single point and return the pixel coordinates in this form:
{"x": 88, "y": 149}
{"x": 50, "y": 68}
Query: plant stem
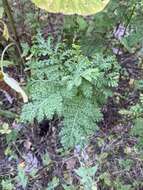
{"x": 2, "y": 56}
{"x": 13, "y": 28}
{"x": 128, "y": 23}
{"x": 8, "y": 114}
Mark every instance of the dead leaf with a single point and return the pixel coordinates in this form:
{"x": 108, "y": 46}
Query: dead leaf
{"x": 8, "y": 96}
{"x": 70, "y": 163}
{"x": 1, "y": 76}
{"x": 131, "y": 82}
{"x": 27, "y": 144}
{"x": 5, "y": 32}
{"x": 31, "y": 162}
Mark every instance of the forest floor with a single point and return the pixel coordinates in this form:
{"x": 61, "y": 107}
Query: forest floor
{"x": 38, "y": 151}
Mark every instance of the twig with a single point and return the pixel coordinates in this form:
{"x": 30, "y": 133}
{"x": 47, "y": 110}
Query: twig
{"x": 20, "y": 154}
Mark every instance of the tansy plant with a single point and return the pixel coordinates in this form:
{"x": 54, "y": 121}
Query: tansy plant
{"x": 66, "y": 83}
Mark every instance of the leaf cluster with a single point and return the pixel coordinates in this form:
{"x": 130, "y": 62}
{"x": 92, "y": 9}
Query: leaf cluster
{"x": 66, "y": 83}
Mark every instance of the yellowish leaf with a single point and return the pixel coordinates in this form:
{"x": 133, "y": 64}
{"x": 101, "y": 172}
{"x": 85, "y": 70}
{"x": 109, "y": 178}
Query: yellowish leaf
{"x": 69, "y": 7}
{"x": 1, "y": 76}
{"x": 15, "y": 86}
{"x": 5, "y": 32}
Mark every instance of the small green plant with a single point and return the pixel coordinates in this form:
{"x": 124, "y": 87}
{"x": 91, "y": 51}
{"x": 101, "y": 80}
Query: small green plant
{"x": 118, "y": 184}
{"x": 7, "y": 185}
{"x": 135, "y": 113}
{"x": 67, "y": 187}
{"x": 53, "y": 184}
{"x": 126, "y": 164}
{"x": 4, "y": 129}
{"x": 87, "y": 177}
{"x": 105, "y": 177}
{"x": 66, "y": 83}
{"x": 22, "y": 178}
{"x": 46, "y": 159}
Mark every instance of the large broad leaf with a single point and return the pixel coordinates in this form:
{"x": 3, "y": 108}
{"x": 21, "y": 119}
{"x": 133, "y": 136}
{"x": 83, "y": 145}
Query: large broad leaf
{"x": 81, "y": 7}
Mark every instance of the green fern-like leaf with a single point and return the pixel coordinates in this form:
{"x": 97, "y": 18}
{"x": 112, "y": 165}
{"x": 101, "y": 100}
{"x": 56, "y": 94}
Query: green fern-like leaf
{"x": 80, "y": 118}
{"x": 67, "y": 83}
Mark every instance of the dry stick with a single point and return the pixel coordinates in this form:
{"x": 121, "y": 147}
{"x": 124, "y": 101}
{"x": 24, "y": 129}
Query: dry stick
{"x": 13, "y": 28}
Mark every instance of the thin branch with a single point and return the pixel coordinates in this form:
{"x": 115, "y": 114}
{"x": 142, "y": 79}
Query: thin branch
{"x": 13, "y": 28}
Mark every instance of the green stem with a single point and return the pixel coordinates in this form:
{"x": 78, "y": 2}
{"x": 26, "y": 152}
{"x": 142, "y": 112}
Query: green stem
{"x": 8, "y": 114}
